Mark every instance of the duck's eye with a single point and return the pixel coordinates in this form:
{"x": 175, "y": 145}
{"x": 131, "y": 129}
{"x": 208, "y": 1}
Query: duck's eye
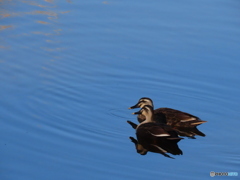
{"x": 145, "y": 109}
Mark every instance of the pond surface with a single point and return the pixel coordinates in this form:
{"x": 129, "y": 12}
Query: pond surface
{"x": 69, "y": 70}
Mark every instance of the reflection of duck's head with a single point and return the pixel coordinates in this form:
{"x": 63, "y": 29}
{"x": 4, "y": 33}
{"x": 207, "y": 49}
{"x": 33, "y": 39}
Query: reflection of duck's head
{"x": 151, "y": 147}
{"x": 142, "y": 102}
{"x": 147, "y": 111}
{"x": 140, "y": 149}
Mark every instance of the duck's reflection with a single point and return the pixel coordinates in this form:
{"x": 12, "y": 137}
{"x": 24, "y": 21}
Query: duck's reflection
{"x": 171, "y": 147}
{"x": 165, "y": 142}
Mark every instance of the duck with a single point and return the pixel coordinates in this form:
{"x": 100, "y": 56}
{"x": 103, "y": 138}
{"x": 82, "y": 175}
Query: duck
{"x": 153, "y": 136}
{"x": 171, "y": 117}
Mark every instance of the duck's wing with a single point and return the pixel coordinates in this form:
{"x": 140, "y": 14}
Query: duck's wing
{"x": 173, "y": 113}
{"x": 157, "y": 131}
{"x": 159, "y": 117}
{"x": 189, "y": 132}
{"x": 178, "y": 118}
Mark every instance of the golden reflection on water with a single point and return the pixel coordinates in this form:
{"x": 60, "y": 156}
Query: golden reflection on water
{"x": 33, "y": 3}
{"x": 5, "y": 27}
{"x": 43, "y": 22}
{"x": 47, "y": 8}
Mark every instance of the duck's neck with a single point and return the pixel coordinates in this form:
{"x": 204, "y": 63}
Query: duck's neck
{"x": 149, "y": 118}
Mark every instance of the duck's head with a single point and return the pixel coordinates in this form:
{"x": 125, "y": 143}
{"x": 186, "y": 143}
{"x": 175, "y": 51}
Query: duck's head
{"x": 147, "y": 111}
{"x": 142, "y": 102}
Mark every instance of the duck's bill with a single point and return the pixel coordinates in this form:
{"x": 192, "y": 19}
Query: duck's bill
{"x": 138, "y": 112}
{"x": 133, "y": 107}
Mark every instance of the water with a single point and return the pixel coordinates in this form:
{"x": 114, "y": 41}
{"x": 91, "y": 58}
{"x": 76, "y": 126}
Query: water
{"x": 69, "y": 71}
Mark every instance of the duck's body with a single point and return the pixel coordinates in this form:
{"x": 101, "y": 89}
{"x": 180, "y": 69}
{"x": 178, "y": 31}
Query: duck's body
{"x": 190, "y": 132}
{"x": 155, "y": 137}
{"x": 171, "y": 117}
